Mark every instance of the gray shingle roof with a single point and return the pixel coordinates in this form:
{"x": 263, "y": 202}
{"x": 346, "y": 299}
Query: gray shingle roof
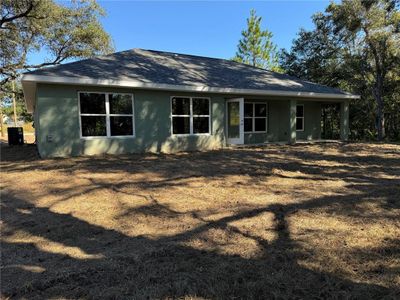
{"x": 159, "y": 67}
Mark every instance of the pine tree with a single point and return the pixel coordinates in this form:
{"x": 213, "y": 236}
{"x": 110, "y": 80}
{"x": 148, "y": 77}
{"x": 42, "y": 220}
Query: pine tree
{"x": 256, "y": 47}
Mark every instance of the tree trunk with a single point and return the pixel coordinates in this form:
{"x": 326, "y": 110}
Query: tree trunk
{"x": 1, "y": 115}
{"x": 380, "y": 116}
{"x": 14, "y": 103}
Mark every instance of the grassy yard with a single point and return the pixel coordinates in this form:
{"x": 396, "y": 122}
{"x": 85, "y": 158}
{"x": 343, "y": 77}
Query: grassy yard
{"x": 304, "y": 221}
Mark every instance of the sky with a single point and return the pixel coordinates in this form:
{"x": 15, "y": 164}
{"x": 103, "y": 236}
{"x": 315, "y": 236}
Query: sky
{"x": 206, "y": 28}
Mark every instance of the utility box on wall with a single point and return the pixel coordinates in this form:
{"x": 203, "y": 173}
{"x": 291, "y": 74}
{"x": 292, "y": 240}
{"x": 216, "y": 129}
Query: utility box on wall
{"x": 15, "y": 136}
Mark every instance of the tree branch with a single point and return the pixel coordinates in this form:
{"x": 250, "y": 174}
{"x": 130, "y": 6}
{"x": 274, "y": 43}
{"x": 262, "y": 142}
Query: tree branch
{"x": 4, "y": 19}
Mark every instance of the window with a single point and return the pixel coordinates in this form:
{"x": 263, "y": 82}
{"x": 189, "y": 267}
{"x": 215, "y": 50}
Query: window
{"x": 106, "y": 114}
{"x": 300, "y": 117}
{"x": 255, "y": 117}
{"x": 190, "y": 115}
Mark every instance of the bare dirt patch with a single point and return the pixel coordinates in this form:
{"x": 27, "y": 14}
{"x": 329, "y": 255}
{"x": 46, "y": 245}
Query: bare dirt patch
{"x": 304, "y": 221}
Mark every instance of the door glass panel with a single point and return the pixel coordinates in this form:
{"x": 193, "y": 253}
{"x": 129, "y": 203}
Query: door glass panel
{"x": 233, "y": 120}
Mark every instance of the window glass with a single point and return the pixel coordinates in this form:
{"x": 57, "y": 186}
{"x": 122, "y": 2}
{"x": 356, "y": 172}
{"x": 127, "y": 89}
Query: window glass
{"x": 181, "y": 125}
{"x": 299, "y": 123}
{"x": 200, "y": 106}
{"x": 93, "y": 126}
{"x": 255, "y": 117}
{"x": 180, "y": 106}
{"x": 300, "y": 117}
{"x": 120, "y": 104}
{"x": 121, "y": 125}
{"x": 248, "y": 109}
{"x": 201, "y": 125}
{"x": 248, "y": 124}
{"x": 190, "y": 115}
{"x": 102, "y": 114}
{"x": 299, "y": 111}
{"x": 260, "y": 110}
{"x": 92, "y": 103}
{"x": 260, "y": 124}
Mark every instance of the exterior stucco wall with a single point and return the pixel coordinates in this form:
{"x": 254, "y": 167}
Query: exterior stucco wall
{"x": 59, "y": 133}
{"x": 312, "y": 121}
{"x": 279, "y": 123}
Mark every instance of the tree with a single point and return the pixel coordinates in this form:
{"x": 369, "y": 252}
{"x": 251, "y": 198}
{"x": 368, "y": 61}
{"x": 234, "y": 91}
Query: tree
{"x": 375, "y": 25}
{"x": 355, "y": 47}
{"x": 7, "y": 103}
{"x": 256, "y": 47}
{"x": 64, "y": 32}
{"x": 316, "y": 55}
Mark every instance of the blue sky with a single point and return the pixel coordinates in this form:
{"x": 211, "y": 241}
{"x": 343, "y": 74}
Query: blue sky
{"x": 208, "y": 28}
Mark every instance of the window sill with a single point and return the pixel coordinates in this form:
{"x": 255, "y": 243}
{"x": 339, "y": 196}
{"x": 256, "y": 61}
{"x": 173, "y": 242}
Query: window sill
{"x": 119, "y": 137}
{"x": 248, "y": 132}
{"x": 194, "y": 134}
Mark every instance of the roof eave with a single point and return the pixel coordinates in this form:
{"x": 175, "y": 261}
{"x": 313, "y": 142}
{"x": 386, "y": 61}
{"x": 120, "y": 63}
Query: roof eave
{"x": 29, "y": 90}
{"x": 29, "y": 86}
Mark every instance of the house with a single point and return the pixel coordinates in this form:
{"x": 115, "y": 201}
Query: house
{"x": 143, "y": 100}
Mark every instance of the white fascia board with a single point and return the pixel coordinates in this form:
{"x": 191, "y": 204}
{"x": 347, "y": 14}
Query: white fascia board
{"x": 171, "y": 87}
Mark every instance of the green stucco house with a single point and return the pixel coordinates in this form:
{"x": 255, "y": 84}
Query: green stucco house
{"x": 142, "y": 100}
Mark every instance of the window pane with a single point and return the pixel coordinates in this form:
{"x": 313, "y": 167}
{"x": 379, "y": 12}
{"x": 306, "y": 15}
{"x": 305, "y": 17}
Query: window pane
{"x": 180, "y": 125}
{"x": 93, "y": 126}
{"x": 248, "y": 124}
{"x": 248, "y": 109}
{"x": 299, "y": 124}
{"x": 92, "y": 103}
{"x": 120, "y": 104}
{"x": 121, "y": 126}
{"x": 200, "y": 106}
{"x": 180, "y": 106}
{"x": 260, "y": 124}
{"x": 200, "y": 125}
{"x": 260, "y": 110}
{"x": 299, "y": 111}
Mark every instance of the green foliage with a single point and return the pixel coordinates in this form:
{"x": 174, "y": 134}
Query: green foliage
{"x": 256, "y": 47}
{"x": 64, "y": 31}
{"x": 6, "y": 103}
{"x": 355, "y": 46}
{"x": 330, "y": 121}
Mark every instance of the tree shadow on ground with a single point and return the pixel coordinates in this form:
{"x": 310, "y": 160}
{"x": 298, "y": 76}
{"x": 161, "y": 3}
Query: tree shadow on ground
{"x": 119, "y": 266}
{"x": 105, "y": 263}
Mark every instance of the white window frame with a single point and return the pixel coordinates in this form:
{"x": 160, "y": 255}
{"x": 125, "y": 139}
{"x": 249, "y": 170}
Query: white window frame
{"x": 302, "y": 118}
{"x": 107, "y": 115}
{"x": 254, "y": 117}
{"x": 191, "y": 116}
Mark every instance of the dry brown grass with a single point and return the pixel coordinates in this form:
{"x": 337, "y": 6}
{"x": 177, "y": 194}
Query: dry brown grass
{"x": 305, "y": 221}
